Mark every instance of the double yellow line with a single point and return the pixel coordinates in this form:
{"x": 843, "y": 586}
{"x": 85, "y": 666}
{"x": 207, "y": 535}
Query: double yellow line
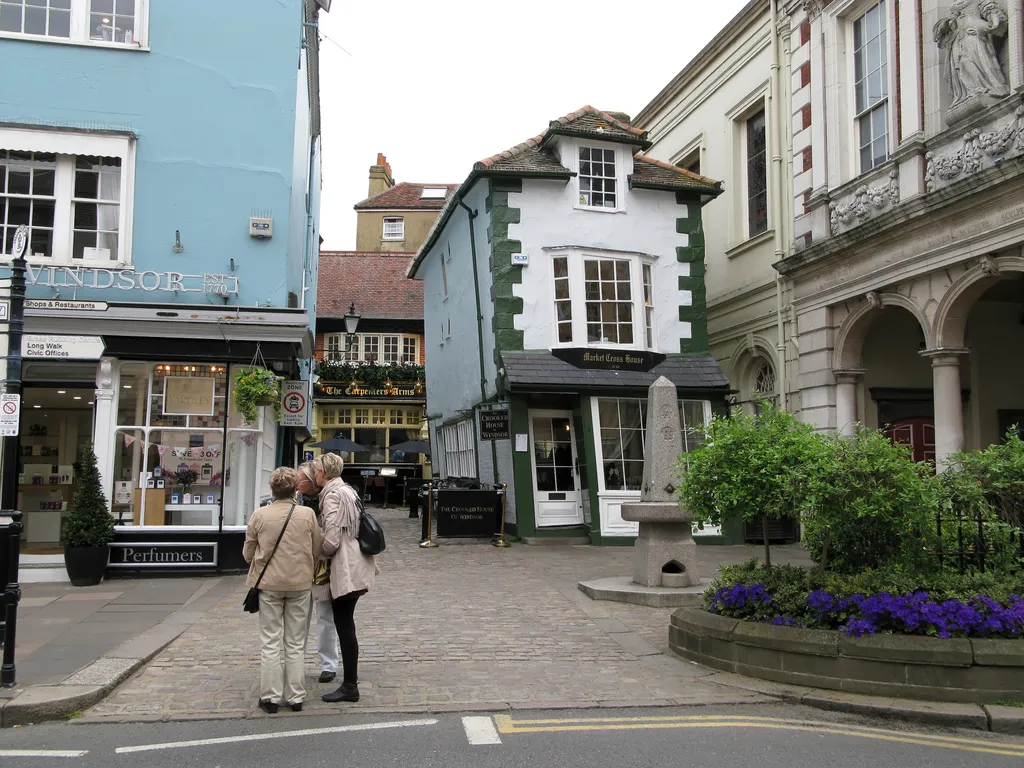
{"x": 507, "y": 725}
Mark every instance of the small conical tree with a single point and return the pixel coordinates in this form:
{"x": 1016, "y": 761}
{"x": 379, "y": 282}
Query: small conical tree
{"x": 89, "y": 524}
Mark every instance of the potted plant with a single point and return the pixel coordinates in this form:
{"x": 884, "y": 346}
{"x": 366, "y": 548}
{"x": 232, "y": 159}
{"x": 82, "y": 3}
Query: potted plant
{"x": 255, "y": 387}
{"x": 185, "y": 478}
{"x": 89, "y": 528}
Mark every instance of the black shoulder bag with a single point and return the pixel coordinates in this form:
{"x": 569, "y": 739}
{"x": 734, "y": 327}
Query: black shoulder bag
{"x": 252, "y": 597}
{"x": 371, "y": 535}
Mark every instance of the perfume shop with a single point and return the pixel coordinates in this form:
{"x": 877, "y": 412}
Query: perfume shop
{"x": 182, "y": 470}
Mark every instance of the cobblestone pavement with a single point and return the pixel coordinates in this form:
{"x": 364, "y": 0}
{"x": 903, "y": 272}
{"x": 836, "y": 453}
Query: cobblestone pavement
{"x": 464, "y": 626}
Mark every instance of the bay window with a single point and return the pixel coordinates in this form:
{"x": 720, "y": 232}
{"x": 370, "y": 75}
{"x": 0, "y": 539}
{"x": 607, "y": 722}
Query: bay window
{"x": 374, "y": 428}
{"x": 117, "y": 23}
{"x": 74, "y": 193}
{"x": 386, "y": 349}
{"x": 603, "y": 300}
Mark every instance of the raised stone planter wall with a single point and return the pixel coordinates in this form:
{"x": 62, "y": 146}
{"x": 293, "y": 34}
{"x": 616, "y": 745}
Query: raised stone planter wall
{"x": 956, "y": 669}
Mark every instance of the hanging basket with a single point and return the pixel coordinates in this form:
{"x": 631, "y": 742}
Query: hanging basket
{"x": 254, "y": 388}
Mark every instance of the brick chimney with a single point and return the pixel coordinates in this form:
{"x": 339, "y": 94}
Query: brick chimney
{"x": 380, "y": 176}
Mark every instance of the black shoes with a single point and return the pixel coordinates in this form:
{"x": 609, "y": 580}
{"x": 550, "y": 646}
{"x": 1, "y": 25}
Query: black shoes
{"x": 269, "y": 707}
{"x": 326, "y": 677}
{"x": 347, "y": 692}
{"x": 296, "y": 707}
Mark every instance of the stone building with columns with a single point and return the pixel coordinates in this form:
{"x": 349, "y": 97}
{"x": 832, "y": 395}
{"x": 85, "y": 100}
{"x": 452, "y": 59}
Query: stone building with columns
{"x": 906, "y": 275}
{"x": 897, "y": 295}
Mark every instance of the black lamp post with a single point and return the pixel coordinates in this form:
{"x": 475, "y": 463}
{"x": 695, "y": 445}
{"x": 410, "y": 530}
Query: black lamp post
{"x": 351, "y": 323}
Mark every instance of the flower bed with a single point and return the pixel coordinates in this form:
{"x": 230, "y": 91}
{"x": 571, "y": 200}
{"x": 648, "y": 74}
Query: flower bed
{"x": 914, "y": 613}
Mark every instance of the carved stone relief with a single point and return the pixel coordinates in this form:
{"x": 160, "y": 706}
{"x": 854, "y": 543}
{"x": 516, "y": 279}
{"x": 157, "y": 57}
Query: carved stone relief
{"x": 865, "y": 201}
{"x": 977, "y": 145}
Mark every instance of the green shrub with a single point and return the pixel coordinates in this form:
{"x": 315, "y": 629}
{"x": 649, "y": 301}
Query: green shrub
{"x": 756, "y": 467}
{"x": 89, "y": 524}
{"x": 870, "y": 504}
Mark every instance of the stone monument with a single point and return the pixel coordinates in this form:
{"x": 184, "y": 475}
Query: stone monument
{"x": 665, "y": 554}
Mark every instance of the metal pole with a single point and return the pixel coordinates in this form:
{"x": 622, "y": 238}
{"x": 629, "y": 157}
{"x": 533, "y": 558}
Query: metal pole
{"x": 9, "y": 477}
{"x": 429, "y": 542}
{"x": 504, "y": 505}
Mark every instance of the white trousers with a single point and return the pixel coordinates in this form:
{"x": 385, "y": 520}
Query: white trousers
{"x": 326, "y": 635}
{"x": 284, "y": 617}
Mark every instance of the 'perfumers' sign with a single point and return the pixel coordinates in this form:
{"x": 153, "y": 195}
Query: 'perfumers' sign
{"x": 189, "y": 554}
{"x": 367, "y": 390}
{"x": 102, "y": 278}
{"x": 609, "y": 359}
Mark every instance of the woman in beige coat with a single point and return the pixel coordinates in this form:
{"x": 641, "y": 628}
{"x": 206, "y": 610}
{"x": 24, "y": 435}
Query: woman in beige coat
{"x": 352, "y": 572}
{"x": 284, "y": 588}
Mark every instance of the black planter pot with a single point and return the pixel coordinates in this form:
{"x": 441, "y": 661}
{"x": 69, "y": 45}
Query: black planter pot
{"x": 86, "y": 565}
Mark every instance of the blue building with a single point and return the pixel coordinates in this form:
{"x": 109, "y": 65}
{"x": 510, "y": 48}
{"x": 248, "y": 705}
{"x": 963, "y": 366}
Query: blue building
{"x": 166, "y": 157}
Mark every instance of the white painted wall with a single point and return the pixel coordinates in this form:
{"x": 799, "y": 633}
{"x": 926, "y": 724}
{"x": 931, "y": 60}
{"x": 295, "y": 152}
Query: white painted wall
{"x": 549, "y": 219}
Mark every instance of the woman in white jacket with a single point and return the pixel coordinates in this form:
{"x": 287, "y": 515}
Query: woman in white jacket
{"x": 352, "y": 572}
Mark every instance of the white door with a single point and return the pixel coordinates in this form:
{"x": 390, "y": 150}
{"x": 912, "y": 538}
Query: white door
{"x": 556, "y": 482}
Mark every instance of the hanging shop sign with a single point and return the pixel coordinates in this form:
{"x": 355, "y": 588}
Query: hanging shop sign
{"x": 609, "y": 360}
{"x": 338, "y": 389}
{"x": 144, "y": 554}
{"x": 189, "y": 396}
{"x": 62, "y": 347}
{"x": 470, "y": 514}
{"x": 293, "y": 403}
{"x": 102, "y": 278}
{"x": 494, "y": 425}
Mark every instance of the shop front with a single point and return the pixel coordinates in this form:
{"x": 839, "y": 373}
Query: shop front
{"x": 574, "y": 453}
{"x": 378, "y": 418}
{"x": 182, "y": 470}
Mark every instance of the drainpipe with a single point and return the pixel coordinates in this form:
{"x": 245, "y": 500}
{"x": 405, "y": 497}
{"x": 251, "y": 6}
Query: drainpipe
{"x": 778, "y": 121}
{"x": 479, "y": 331}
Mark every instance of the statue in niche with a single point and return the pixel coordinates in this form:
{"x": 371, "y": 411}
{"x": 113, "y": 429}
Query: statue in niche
{"x": 970, "y": 35}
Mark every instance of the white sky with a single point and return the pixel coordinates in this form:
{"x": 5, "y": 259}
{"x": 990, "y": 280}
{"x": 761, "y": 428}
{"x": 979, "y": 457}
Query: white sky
{"x": 438, "y": 84}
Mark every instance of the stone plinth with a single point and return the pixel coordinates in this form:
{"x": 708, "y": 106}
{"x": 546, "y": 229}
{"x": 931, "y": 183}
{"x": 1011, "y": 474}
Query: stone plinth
{"x": 664, "y": 553}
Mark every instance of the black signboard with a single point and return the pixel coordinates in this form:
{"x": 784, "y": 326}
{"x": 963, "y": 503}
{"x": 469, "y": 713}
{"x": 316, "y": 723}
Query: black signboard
{"x": 469, "y": 514}
{"x": 609, "y": 359}
{"x": 149, "y": 554}
{"x": 494, "y": 425}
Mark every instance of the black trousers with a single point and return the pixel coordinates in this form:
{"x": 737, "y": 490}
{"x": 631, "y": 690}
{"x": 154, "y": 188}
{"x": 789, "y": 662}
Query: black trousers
{"x": 344, "y": 609}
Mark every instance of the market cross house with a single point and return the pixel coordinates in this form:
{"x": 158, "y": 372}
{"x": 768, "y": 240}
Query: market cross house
{"x": 563, "y": 277}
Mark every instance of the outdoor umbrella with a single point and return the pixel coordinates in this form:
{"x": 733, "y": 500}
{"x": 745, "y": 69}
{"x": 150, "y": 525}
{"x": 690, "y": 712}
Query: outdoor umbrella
{"x": 412, "y": 446}
{"x": 342, "y": 444}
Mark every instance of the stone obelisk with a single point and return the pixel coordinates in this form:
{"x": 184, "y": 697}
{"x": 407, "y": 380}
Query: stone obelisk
{"x": 665, "y": 554}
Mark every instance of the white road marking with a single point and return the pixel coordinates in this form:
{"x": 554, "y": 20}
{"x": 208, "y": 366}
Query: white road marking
{"x": 279, "y": 735}
{"x": 43, "y": 752}
{"x": 480, "y": 730}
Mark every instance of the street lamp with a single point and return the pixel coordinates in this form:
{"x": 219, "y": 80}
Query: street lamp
{"x": 351, "y": 323}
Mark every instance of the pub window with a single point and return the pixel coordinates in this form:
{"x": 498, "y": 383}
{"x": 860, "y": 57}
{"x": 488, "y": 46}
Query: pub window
{"x": 345, "y": 416}
{"x": 410, "y": 354}
{"x": 391, "y": 347}
{"x": 328, "y": 416}
{"x": 371, "y": 348}
{"x": 397, "y": 416}
{"x": 379, "y": 416}
{"x": 362, "y": 416}
{"x": 335, "y": 347}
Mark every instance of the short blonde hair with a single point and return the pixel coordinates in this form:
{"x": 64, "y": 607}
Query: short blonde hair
{"x": 283, "y": 481}
{"x": 330, "y": 464}
{"x": 306, "y": 470}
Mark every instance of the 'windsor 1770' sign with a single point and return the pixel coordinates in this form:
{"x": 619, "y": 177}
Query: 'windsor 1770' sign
{"x": 102, "y": 278}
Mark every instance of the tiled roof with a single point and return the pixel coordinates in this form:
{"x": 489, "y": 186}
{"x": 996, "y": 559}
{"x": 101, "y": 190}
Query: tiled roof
{"x": 587, "y": 121}
{"x": 649, "y": 173}
{"x": 405, "y": 195}
{"x": 527, "y": 157}
{"x": 529, "y": 371}
{"x": 375, "y": 281}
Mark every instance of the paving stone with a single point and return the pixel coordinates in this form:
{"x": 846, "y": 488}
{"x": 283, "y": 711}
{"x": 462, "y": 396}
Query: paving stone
{"x": 454, "y": 628}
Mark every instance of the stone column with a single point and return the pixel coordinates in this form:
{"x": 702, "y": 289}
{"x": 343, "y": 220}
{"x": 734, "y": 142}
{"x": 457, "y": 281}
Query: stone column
{"x": 846, "y": 400}
{"x": 105, "y": 424}
{"x": 949, "y": 409}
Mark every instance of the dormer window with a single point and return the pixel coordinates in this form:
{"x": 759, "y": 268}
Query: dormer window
{"x": 597, "y": 178}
